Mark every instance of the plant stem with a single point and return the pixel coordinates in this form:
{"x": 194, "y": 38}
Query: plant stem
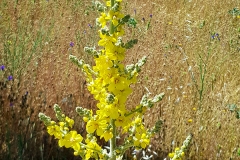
{"x": 113, "y": 141}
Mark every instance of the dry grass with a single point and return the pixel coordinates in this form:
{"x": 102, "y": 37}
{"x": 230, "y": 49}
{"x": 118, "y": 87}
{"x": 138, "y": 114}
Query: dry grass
{"x": 178, "y": 46}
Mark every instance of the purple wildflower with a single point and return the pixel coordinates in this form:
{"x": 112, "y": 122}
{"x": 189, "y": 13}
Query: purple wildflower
{"x": 2, "y": 67}
{"x": 89, "y": 25}
{"x": 10, "y": 78}
{"x": 11, "y": 104}
{"x": 135, "y": 11}
{"x": 151, "y": 15}
{"x": 216, "y": 35}
{"x": 71, "y": 44}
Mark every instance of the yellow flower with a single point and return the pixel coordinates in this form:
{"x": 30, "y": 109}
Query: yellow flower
{"x": 61, "y": 124}
{"x": 109, "y": 110}
{"x": 91, "y": 148}
{"x": 118, "y": 82}
{"x": 54, "y": 130}
{"x": 71, "y": 139}
{"x": 171, "y": 155}
{"x": 190, "y": 121}
{"x": 106, "y": 41}
{"x": 96, "y": 125}
{"x": 85, "y": 119}
{"x": 115, "y": 53}
{"x": 182, "y": 154}
{"x": 141, "y": 140}
{"x": 70, "y": 121}
{"x": 122, "y": 121}
{"x": 103, "y": 19}
{"x": 108, "y": 3}
{"x": 114, "y": 16}
{"x": 119, "y": 31}
{"x": 77, "y": 150}
{"x": 107, "y": 135}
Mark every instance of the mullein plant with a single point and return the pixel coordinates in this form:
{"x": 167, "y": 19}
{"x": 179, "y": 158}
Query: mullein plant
{"x": 109, "y": 81}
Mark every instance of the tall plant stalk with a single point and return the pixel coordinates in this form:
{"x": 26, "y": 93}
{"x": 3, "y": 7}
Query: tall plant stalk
{"x": 109, "y": 81}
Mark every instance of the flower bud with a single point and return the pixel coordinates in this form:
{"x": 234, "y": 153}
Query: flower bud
{"x": 110, "y": 98}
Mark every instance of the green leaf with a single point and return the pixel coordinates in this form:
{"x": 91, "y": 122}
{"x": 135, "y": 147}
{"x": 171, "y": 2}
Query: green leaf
{"x": 232, "y": 107}
{"x": 238, "y": 114}
{"x": 132, "y": 22}
{"x": 130, "y": 43}
{"x": 238, "y": 151}
{"x": 202, "y": 25}
{"x": 126, "y": 18}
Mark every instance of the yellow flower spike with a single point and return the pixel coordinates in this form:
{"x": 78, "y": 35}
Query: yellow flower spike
{"x": 109, "y": 82}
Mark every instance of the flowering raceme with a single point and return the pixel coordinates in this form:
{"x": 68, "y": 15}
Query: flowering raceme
{"x": 109, "y": 81}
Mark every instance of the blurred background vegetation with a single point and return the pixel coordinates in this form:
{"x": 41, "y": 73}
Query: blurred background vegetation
{"x": 193, "y": 50}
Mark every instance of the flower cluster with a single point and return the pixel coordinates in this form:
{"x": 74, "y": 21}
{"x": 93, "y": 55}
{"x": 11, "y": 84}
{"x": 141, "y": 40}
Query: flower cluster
{"x": 70, "y": 138}
{"x": 2, "y": 68}
{"x": 179, "y": 153}
{"x": 109, "y": 81}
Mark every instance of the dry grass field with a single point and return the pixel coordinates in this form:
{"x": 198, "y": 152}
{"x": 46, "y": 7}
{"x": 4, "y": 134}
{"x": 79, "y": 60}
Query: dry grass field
{"x": 193, "y": 50}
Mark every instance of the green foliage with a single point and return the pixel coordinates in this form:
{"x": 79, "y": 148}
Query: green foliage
{"x": 132, "y": 22}
{"x": 202, "y": 24}
{"x": 130, "y": 43}
{"x": 238, "y": 151}
{"x": 234, "y": 108}
{"x": 234, "y": 12}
